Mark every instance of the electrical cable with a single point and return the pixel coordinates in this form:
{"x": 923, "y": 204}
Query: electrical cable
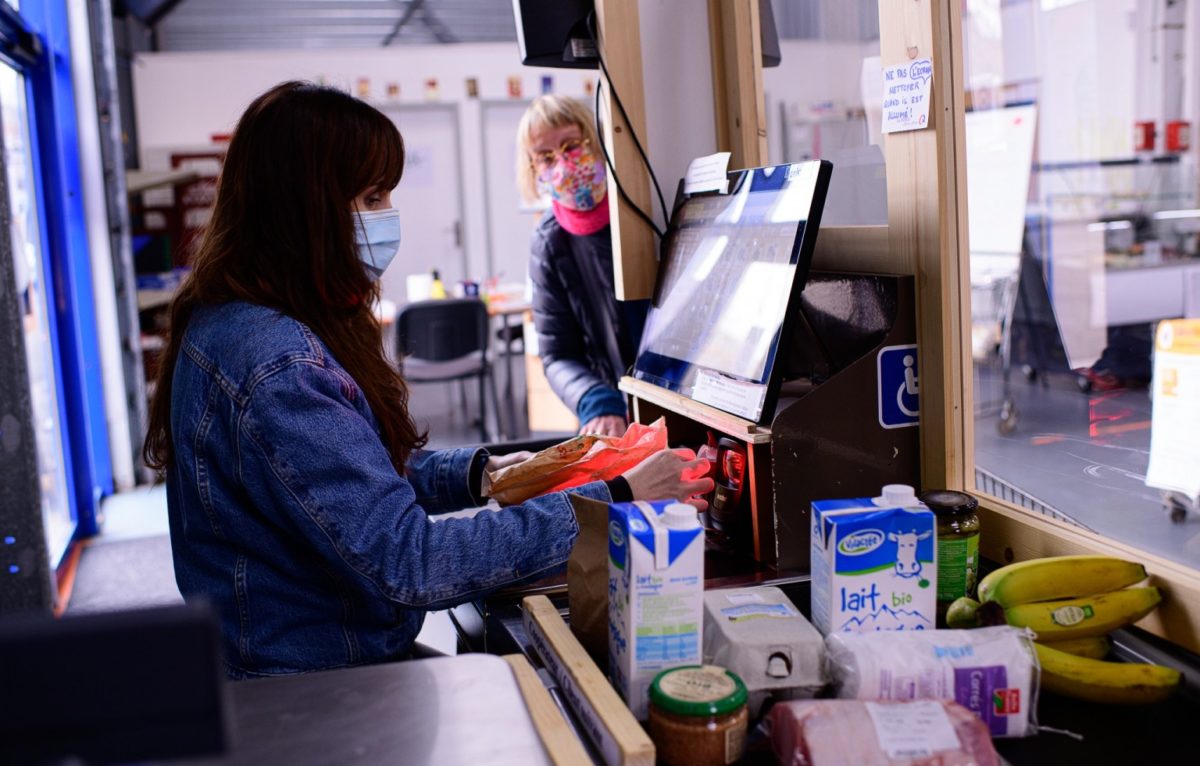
{"x": 591, "y": 27}
{"x": 638, "y": 144}
{"x": 616, "y": 180}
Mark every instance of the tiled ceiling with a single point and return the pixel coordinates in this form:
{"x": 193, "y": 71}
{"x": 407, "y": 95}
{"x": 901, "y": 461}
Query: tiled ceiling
{"x": 210, "y": 25}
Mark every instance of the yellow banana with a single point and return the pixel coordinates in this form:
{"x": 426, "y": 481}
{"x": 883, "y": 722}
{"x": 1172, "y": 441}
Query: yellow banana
{"x": 1120, "y": 683}
{"x": 1084, "y": 617}
{"x": 1056, "y": 578}
{"x": 1094, "y": 647}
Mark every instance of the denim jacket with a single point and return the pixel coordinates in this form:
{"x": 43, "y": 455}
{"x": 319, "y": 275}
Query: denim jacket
{"x": 287, "y": 514}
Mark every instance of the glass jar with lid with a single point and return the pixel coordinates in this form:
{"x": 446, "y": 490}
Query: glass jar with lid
{"x": 957, "y": 545}
{"x": 698, "y": 716}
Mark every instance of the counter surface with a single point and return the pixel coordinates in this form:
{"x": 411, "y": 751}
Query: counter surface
{"x": 1110, "y": 734}
{"x": 465, "y": 709}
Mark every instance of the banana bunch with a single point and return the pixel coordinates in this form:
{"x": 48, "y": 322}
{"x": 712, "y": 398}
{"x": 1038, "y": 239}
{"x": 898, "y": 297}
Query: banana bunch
{"x": 1072, "y": 603}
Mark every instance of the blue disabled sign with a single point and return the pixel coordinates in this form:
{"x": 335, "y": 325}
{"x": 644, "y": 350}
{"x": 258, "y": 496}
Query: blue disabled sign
{"x": 899, "y": 394}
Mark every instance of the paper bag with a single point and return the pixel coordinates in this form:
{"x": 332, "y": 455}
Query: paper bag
{"x": 576, "y": 462}
{"x": 587, "y": 578}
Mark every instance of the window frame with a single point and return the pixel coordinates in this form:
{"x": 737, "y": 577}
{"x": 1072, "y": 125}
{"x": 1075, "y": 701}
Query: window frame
{"x": 1011, "y": 533}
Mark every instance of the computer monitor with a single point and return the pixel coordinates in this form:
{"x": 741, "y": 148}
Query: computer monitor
{"x": 732, "y": 268}
{"x": 555, "y": 33}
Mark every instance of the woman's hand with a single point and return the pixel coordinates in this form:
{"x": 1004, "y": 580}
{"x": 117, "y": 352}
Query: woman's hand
{"x": 496, "y": 462}
{"x": 660, "y": 477}
{"x": 605, "y": 425}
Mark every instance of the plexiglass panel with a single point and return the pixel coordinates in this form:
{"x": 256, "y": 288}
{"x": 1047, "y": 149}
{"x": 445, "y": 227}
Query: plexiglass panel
{"x": 824, "y": 101}
{"x": 1081, "y": 175}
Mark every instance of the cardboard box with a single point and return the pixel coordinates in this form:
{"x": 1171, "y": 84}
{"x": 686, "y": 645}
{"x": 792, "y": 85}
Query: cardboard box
{"x": 759, "y": 634}
{"x": 546, "y": 412}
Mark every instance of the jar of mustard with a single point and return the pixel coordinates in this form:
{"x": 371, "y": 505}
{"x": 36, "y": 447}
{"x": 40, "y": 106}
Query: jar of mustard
{"x": 698, "y": 716}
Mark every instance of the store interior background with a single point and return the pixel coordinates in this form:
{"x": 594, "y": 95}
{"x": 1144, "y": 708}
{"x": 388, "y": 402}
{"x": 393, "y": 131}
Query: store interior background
{"x": 1076, "y": 447}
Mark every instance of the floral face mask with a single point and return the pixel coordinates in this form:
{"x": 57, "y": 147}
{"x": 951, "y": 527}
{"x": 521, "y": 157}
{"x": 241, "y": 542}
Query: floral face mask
{"x": 572, "y": 175}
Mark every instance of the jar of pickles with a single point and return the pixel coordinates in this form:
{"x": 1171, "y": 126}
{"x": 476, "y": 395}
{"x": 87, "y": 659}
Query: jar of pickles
{"x": 957, "y": 545}
{"x": 698, "y": 716}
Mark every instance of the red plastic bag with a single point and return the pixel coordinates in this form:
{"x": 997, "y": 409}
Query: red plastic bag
{"x": 578, "y": 461}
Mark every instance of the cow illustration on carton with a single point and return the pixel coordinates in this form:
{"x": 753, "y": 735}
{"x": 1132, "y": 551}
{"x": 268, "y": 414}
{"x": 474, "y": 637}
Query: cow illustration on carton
{"x": 907, "y": 564}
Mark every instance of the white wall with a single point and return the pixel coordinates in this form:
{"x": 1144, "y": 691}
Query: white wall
{"x": 812, "y": 72}
{"x": 677, "y": 79}
{"x": 183, "y": 99}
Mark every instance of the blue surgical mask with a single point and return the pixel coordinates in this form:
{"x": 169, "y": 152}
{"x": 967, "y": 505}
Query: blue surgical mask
{"x": 377, "y": 234}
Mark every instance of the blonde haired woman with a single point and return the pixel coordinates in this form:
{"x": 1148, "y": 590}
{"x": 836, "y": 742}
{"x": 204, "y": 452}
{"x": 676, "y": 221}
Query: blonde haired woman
{"x": 587, "y": 338}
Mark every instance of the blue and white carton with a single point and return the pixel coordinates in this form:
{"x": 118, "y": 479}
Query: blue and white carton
{"x": 874, "y": 563}
{"x": 655, "y": 594}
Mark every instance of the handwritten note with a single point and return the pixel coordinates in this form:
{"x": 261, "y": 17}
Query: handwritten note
{"x": 906, "y": 89}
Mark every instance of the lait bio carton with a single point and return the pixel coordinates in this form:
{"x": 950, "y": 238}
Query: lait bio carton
{"x": 655, "y": 594}
{"x": 874, "y": 563}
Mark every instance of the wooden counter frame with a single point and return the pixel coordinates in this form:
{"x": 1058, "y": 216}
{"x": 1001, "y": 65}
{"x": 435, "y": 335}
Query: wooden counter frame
{"x": 926, "y": 236}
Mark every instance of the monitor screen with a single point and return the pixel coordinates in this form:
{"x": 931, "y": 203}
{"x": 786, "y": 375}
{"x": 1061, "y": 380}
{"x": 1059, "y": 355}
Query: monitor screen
{"x": 731, "y": 265}
{"x": 555, "y": 33}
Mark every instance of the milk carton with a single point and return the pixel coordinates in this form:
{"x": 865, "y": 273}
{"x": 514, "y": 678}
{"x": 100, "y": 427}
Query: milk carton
{"x": 874, "y": 563}
{"x": 655, "y": 594}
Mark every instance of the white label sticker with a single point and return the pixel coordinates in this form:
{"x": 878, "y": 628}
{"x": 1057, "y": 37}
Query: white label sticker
{"x": 906, "y": 91}
{"x": 757, "y": 611}
{"x": 734, "y": 396}
{"x": 737, "y": 599}
{"x": 912, "y": 729}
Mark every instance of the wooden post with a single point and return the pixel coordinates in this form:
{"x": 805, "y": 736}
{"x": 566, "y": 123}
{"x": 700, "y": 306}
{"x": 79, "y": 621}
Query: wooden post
{"x": 735, "y": 41}
{"x": 927, "y": 231}
{"x": 635, "y": 262}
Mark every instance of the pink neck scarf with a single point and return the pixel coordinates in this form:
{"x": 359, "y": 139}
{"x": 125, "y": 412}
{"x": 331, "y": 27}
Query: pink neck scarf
{"x": 582, "y": 223}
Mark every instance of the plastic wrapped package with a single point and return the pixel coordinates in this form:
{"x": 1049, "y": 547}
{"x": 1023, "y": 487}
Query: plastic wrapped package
{"x": 993, "y": 672}
{"x": 761, "y": 636}
{"x": 577, "y": 461}
{"x": 856, "y": 733}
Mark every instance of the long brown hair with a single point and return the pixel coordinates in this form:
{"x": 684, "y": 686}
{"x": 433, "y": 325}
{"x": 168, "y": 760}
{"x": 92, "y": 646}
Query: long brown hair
{"x": 282, "y": 235}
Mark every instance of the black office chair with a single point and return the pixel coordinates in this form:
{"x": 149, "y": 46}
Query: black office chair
{"x": 446, "y": 340}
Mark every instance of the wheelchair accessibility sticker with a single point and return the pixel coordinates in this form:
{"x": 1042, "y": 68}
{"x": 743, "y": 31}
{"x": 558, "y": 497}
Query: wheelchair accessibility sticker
{"x": 899, "y": 400}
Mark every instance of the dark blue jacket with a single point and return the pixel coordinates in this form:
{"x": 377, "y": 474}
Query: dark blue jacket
{"x": 587, "y": 339}
{"x": 287, "y": 514}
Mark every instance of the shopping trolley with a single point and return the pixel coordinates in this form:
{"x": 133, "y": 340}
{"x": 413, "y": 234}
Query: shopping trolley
{"x": 994, "y": 284}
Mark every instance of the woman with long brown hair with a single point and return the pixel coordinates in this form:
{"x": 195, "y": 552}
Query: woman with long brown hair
{"x": 299, "y": 496}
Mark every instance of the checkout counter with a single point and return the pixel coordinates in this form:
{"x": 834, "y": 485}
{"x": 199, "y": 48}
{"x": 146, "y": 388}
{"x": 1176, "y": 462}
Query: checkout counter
{"x": 826, "y": 409}
{"x": 1100, "y": 734}
{"x": 810, "y": 381}
{"x": 469, "y": 708}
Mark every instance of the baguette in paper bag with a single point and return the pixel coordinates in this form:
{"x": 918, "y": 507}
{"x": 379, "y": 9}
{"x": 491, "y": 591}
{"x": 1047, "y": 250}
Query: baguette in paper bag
{"x": 577, "y": 461}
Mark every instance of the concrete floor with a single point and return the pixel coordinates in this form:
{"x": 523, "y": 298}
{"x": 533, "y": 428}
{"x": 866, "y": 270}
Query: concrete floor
{"x": 1085, "y": 456}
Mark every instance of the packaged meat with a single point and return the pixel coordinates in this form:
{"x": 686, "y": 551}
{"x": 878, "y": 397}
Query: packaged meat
{"x": 991, "y": 671}
{"x": 857, "y": 733}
